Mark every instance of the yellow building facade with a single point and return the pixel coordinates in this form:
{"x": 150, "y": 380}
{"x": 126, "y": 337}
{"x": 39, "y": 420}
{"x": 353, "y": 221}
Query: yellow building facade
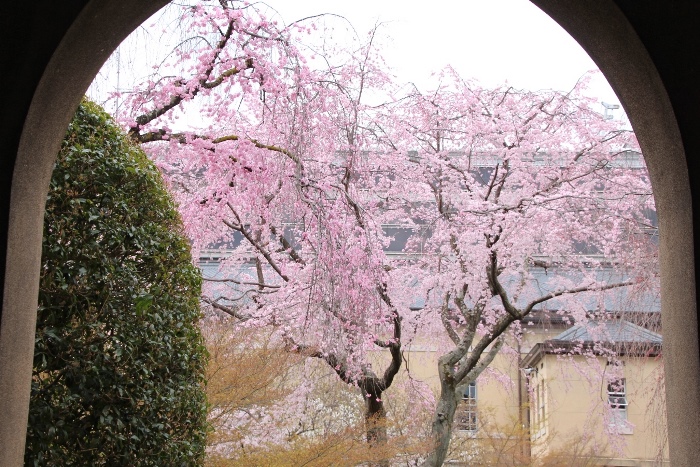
{"x": 577, "y": 396}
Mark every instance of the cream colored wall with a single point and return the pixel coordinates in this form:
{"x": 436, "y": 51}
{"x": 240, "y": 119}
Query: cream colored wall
{"x": 422, "y": 365}
{"x": 498, "y": 393}
{"x": 498, "y": 396}
{"x": 576, "y": 402}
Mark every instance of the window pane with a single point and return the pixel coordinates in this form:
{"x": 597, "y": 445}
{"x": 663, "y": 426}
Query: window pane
{"x": 466, "y": 417}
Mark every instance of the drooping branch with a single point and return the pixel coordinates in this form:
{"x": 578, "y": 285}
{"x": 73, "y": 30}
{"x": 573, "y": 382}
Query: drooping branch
{"x": 186, "y": 138}
{"x": 365, "y": 379}
{"x": 178, "y": 98}
{"x": 234, "y": 312}
{"x": 293, "y": 253}
{"x": 258, "y": 246}
{"x": 338, "y": 364}
{"x": 234, "y": 281}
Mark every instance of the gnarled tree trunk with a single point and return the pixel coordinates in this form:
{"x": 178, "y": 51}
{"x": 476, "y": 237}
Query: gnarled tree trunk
{"x": 441, "y": 429}
{"x": 375, "y": 421}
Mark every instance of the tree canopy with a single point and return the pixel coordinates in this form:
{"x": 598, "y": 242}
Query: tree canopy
{"x": 119, "y": 358}
{"x": 355, "y": 213}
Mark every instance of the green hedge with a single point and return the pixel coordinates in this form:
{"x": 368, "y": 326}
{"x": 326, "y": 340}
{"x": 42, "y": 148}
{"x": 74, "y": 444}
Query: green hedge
{"x": 119, "y": 358}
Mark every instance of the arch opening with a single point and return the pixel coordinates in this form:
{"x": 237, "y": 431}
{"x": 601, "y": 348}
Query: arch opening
{"x": 600, "y": 27}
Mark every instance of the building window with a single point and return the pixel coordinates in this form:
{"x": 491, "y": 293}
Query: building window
{"x": 617, "y": 400}
{"x": 467, "y": 418}
{"x": 538, "y": 408}
{"x": 541, "y": 400}
{"x": 534, "y": 404}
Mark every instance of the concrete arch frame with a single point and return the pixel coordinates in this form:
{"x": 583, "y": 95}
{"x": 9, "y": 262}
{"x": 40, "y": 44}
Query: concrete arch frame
{"x": 54, "y": 49}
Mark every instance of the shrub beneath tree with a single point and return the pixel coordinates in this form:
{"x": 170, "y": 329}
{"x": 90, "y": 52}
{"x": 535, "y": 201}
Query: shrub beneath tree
{"x": 119, "y": 359}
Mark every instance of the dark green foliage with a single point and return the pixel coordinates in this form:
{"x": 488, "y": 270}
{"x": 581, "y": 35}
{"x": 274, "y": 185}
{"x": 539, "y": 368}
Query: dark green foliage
{"x": 119, "y": 359}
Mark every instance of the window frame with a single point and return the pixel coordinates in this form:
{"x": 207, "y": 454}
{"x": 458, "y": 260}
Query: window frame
{"x": 618, "y": 404}
{"x": 467, "y": 417}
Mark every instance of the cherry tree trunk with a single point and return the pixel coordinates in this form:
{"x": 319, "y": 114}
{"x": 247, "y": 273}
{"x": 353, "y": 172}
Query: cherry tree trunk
{"x": 441, "y": 430}
{"x": 375, "y": 423}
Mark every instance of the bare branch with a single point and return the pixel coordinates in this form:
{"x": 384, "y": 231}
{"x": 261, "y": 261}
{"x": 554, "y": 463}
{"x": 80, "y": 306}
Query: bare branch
{"x": 585, "y": 288}
{"x": 287, "y": 247}
{"x": 228, "y": 310}
{"x": 466, "y": 375}
{"x": 445, "y": 319}
{"x": 266, "y": 254}
{"x": 234, "y": 281}
{"x": 176, "y": 99}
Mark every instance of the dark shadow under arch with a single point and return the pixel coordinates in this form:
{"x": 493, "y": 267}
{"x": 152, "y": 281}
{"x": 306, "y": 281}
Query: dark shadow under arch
{"x": 55, "y": 50}
{"x": 622, "y": 50}
{"x": 645, "y": 49}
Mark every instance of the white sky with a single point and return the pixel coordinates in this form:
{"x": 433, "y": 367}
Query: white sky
{"x": 492, "y": 41}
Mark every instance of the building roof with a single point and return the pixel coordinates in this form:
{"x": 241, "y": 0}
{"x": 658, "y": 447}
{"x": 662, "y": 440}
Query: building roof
{"x": 619, "y": 336}
{"x": 608, "y": 331}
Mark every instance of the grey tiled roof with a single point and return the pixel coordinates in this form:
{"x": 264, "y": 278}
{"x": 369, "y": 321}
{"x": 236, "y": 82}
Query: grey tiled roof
{"x": 608, "y": 331}
{"x": 540, "y": 282}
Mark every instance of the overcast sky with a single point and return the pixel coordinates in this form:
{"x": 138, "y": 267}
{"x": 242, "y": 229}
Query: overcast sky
{"x": 492, "y": 41}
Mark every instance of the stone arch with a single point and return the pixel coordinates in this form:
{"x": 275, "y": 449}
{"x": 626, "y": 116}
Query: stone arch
{"x": 94, "y": 28}
{"x": 604, "y": 31}
{"x": 609, "y": 30}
